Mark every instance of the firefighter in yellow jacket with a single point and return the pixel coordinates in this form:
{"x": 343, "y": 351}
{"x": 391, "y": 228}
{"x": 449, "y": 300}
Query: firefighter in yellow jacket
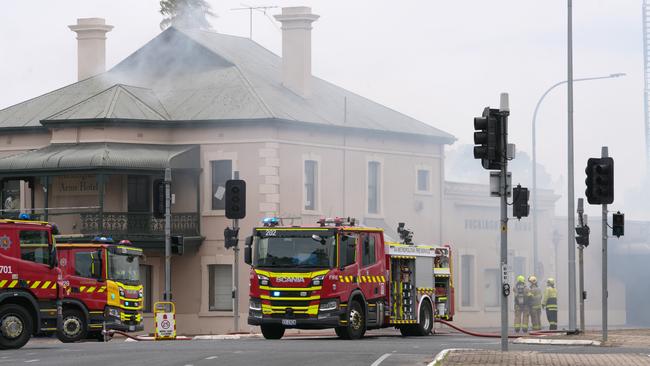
{"x": 550, "y": 303}
{"x": 521, "y": 308}
{"x": 535, "y": 303}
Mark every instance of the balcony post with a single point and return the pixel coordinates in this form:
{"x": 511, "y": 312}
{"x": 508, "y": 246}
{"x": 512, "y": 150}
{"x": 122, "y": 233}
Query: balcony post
{"x": 46, "y": 197}
{"x": 100, "y": 190}
{"x": 198, "y": 202}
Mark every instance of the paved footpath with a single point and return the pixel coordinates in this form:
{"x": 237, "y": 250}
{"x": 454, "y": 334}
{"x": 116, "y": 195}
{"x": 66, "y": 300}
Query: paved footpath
{"x": 489, "y": 358}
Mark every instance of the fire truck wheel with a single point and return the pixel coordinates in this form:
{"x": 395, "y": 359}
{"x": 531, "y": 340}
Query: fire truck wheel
{"x": 270, "y": 331}
{"x": 425, "y": 325}
{"x": 15, "y": 326}
{"x": 73, "y": 326}
{"x": 356, "y": 322}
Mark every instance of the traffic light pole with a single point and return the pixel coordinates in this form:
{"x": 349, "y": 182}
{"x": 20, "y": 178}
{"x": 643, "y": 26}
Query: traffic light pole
{"x": 235, "y": 290}
{"x": 604, "y": 154}
{"x": 581, "y": 269}
{"x": 504, "y": 110}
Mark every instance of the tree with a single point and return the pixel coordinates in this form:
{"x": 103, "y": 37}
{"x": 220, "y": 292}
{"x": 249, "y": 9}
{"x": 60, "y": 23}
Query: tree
{"x": 187, "y": 14}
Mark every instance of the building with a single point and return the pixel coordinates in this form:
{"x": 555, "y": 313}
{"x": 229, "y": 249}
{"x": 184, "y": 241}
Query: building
{"x": 207, "y": 105}
{"x": 472, "y": 225}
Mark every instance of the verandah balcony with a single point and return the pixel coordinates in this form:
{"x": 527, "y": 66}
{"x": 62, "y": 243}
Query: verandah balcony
{"x": 106, "y": 189}
{"x": 138, "y": 224}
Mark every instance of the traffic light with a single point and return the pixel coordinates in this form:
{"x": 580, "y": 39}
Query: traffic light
{"x": 235, "y": 199}
{"x": 582, "y": 237}
{"x": 159, "y": 202}
{"x": 520, "y": 206}
{"x": 231, "y": 237}
{"x": 487, "y": 139}
{"x": 618, "y": 224}
{"x": 600, "y": 181}
{"x": 178, "y": 244}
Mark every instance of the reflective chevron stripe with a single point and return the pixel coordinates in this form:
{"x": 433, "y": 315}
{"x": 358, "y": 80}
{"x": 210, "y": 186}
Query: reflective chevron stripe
{"x": 28, "y": 284}
{"x": 362, "y": 279}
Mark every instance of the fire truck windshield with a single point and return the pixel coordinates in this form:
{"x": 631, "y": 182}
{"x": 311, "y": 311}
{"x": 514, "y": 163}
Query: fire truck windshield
{"x": 123, "y": 268}
{"x": 300, "y": 249}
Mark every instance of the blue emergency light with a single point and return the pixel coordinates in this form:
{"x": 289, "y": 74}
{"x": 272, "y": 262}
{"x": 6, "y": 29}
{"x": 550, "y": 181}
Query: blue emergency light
{"x": 276, "y": 293}
{"x": 103, "y": 240}
{"x": 271, "y": 221}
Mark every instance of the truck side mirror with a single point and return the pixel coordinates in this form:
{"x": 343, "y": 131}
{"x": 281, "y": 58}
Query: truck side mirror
{"x": 248, "y": 250}
{"x": 96, "y": 265}
{"x": 53, "y": 260}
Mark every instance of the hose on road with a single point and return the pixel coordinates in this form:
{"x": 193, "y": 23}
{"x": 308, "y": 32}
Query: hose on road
{"x": 492, "y": 335}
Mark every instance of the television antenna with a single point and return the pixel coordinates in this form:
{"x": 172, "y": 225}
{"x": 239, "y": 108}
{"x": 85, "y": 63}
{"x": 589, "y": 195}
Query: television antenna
{"x": 261, "y": 9}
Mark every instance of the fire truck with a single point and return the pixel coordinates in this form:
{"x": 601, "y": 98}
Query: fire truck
{"x": 102, "y": 289}
{"x": 73, "y": 292}
{"x": 343, "y": 276}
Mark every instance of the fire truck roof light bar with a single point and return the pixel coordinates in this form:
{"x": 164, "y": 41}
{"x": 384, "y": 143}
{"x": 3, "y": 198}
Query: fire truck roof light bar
{"x": 337, "y": 221}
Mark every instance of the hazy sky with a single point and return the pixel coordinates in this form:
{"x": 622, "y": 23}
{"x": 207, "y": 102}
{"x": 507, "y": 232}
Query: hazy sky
{"x": 439, "y": 61}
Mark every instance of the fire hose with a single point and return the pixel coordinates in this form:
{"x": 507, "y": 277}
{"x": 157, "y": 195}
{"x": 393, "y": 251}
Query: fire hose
{"x": 492, "y": 335}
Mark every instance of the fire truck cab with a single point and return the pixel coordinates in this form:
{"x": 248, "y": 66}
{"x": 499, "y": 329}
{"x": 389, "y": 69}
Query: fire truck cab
{"x": 342, "y": 276}
{"x": 102, "y": 290}
{"x": 28, "y": 281}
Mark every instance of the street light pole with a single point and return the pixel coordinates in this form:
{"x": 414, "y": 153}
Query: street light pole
{"x": 534, "y": 136}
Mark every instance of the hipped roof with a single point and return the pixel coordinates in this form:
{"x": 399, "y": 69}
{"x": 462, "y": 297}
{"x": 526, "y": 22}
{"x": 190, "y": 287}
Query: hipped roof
{"x": 194, "y": 75}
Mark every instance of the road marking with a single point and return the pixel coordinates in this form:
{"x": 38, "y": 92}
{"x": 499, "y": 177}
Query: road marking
{"x": 28, "y": 361}
{"x": 380, "y": 359}
{"x": 211, "y": 358}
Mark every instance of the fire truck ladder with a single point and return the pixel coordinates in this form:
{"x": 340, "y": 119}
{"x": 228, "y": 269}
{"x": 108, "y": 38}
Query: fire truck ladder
{"x": 646, "y": 77}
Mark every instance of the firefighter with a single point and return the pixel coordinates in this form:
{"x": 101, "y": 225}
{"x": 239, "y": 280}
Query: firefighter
{"x": 550, "y": 303}
{"x": 521, "y": 308}
{"x": 535, "y": 303}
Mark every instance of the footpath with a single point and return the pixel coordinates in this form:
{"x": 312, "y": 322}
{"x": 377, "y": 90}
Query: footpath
{"x": 600, "y": 353}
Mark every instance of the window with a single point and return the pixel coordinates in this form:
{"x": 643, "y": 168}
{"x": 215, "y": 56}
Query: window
{"x": 368, "y": 255}
{"x": 138, "y": 193}
{"x": 34, "y": 246}
{"x": 83, "y": 262}
{"x": 221, "y": 172}
{"x": 311, "y": 185}
{"x": 10, "y": 197}
{"x": 220, "y": 287}
{"x": 467, "y": 280}
{"x": 374, "y": 205}
{"x": 424, "y": 180}
{"x": 147, "y": 285}
{"x": 348, "y": 244}
{"x": 492, "y": 293}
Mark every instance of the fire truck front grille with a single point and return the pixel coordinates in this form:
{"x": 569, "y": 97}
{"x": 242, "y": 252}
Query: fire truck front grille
{"x": 289, "y": 303}
{"x": 284, "y": 316}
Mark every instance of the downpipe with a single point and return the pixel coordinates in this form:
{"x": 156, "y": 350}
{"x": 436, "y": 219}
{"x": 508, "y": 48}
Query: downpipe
{"x": 511, "y": 336}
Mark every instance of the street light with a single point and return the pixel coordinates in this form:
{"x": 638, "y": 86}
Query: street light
{"x": 534, "y": 201}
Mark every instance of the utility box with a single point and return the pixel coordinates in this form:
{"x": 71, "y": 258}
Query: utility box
{"x": 495, "y": 181}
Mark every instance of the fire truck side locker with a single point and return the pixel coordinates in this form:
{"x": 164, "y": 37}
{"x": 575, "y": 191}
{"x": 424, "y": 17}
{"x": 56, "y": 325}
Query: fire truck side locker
{"x": 443, "y": 285}
{"x": 403, "y": 292}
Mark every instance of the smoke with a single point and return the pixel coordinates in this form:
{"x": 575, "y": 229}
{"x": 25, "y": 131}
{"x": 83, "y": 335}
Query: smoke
{"x": 186, "y": 14}
{"x": 460, "y": 166}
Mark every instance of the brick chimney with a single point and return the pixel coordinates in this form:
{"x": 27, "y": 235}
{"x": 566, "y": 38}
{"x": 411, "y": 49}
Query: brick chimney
{"x": 91, "y": 46}
{"x": 296, "y": 48}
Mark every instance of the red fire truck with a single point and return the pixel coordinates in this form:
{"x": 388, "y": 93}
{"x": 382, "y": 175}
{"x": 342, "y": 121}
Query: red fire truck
{"x": 342, "y": 276}
{"x": 74, "y": 292}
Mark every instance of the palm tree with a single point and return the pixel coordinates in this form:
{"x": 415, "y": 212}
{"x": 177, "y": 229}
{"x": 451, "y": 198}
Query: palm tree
{"x": 188, "y": 14}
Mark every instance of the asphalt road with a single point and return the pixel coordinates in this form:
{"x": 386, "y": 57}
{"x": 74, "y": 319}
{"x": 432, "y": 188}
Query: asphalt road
{"x": 385, "y": 350}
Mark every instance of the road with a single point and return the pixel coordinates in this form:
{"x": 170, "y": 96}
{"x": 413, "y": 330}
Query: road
{"x": 385, "y": 350}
